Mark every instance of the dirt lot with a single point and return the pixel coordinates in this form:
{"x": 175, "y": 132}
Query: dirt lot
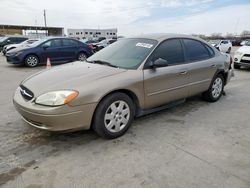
{"x": 195, "y": 144}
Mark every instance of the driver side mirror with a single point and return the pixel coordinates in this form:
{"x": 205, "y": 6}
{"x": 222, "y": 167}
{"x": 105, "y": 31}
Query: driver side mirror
{"x": 45, "y": 46}
{"x": 158, "y": 63}
{"x": 8, "y": 41}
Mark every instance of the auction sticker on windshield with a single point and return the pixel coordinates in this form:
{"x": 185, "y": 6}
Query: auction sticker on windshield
{"x": 144, "y": 45}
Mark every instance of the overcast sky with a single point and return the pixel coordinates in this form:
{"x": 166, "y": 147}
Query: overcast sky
{"x": 133, "y": 16}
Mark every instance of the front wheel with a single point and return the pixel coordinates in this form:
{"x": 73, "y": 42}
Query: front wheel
{"x": 113, "y": 116}
{"x": 215, "y": 90}
{"x": 31, "y": 61}
{"x": 82, "y": 56}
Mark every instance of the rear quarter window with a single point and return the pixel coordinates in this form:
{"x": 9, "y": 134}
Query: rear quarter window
{"x": 210, "y": 50}
{"x": 69, "y": 42}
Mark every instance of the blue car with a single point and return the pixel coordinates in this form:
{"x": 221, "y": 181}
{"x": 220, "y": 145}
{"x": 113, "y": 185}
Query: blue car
{"x": 59, "y": 50}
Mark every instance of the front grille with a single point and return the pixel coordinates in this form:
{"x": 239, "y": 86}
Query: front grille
{"x": 26, "y": 93}
{"x": 247, "y": 55}
{"x": 245, "y": 61}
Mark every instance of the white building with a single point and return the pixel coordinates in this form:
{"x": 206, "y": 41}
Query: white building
{"x": 92, "y": 33}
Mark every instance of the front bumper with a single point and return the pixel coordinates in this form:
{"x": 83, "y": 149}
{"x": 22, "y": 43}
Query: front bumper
{"x": 62, "y": 118}
{"x": 13, "y": 59}
{"x": 243, "y": 60}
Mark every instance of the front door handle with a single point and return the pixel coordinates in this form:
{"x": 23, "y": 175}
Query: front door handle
{"x": 183, "y": 72}
{"x": 213, "y": 66}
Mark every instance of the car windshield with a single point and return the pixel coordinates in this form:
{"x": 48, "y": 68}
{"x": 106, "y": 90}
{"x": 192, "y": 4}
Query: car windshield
{"x": 38, "y": 42}
{"x": 3, "y": 39}
{"x": 125, "y": 53}
{"x": 29, "y": 42}
{"x": 24, "y": 42}
{"x": 214, "y": 41}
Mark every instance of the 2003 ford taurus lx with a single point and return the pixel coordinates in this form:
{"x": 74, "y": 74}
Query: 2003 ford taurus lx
{"x": 131, "y": 77}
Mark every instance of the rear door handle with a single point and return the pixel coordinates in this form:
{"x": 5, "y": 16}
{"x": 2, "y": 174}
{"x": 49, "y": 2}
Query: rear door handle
{"x": 183, "y": 72}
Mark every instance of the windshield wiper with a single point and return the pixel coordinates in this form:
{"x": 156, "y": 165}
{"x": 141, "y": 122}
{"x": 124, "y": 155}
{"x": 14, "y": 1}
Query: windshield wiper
{"x": 103, "y": 63}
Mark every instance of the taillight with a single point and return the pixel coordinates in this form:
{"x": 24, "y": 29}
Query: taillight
{"x": 91, "y": 46}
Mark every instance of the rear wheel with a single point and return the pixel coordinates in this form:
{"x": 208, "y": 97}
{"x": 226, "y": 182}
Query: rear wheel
{"x": 236, "y": 66}
{"x": 113, "y": 116}
{"x": 31, "y": 61}
{"x": 82, "y": 56}
{"x": 215, "y": 90}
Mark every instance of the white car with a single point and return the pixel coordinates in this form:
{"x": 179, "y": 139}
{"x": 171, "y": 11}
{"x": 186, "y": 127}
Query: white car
{"x": 222, "y": 45}
{"x": 103, "y": 44}
{"x": 22, "y": 44}
{"x": 243, "y": 43}
{"x": 242, "y": 56}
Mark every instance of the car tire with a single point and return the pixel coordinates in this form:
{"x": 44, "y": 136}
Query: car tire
{"x": 215, "y": 90}
{"x": 31, "y": 60}
{"x": 81, "y": 56}
{"x": 236, "y": 66}
{"x": 113, "y": 116}
{"x": 229, "y": 50}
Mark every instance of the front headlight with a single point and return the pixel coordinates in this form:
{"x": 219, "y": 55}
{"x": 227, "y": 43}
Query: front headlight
{"x": 238, "y": 53}
{"x": 56, "y": 98}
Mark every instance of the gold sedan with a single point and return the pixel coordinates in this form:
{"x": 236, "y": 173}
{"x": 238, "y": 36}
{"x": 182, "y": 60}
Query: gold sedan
{"x": 129, "y": 78}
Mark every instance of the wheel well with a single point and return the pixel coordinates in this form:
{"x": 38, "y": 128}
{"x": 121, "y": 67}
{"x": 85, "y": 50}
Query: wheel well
{"x": 129, "y": 93}
{"x": 224, "y": 75}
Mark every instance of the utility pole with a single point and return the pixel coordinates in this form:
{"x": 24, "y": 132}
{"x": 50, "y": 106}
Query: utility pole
{"x": 36, "y": 29}
{"x": 45, "y": 22}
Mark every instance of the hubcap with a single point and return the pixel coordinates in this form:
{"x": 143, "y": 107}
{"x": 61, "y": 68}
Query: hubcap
{"x": 32, "y": 61}
{"x": 117, "y": 116}
{"x": 217, "y": 88}
{"x": 82, "y": 57}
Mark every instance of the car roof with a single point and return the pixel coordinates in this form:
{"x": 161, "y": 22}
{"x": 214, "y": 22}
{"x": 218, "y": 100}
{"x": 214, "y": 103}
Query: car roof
{"x": 57, "y": 37}
{"x": 163, "y": 36}
{"x": 16, "y": 36}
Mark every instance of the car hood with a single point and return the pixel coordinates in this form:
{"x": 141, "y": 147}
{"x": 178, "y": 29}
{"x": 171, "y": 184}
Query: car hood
{"x": 69, "y": 76}
{"x": 244, "y": 49}
{"x": 12, "y": 45}
{"x": 6, "y": 46}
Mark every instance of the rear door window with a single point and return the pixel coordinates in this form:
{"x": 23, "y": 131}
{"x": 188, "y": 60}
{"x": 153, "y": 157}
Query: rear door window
{"x": 69, "y": 42}
{"x": 195, "y": 50}
{"x": 210, "y": 50}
